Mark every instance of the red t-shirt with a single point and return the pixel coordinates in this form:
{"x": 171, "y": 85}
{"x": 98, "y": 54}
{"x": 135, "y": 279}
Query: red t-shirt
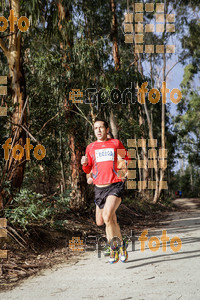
{"x": 102, "y": 160}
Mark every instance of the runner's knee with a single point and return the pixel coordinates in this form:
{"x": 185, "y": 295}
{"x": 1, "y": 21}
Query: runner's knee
{"x": 108, "y": 218}
{"x": 99, "y": 222}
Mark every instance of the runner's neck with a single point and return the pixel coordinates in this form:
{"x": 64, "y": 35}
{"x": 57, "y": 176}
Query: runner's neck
{"x": 103, "y": 141}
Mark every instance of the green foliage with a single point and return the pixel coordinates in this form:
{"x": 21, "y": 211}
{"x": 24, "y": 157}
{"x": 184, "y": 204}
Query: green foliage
{"x": 29, "y": 207}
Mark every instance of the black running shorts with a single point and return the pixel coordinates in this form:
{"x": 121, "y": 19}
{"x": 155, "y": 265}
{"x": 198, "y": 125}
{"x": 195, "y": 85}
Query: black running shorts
{"x": 101, "y": 193}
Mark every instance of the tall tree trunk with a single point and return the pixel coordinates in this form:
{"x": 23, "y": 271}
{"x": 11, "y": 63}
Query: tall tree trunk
{"x": 138, "y": 65}
{"x": 14, "y": 169}
{"x": 142, "y": 124}
{"x": 62, "y": 182}
{"x": 114, "y": 32}
{"x": 113, "y": 125}
{"x": 162, "y": 170}
{"x": 150, "y": 129}
{"x": 77, "y": 178}
{"x": 116, "y": 57}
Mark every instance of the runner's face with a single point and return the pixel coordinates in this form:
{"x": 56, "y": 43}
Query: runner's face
{"x": 100, "y": 131}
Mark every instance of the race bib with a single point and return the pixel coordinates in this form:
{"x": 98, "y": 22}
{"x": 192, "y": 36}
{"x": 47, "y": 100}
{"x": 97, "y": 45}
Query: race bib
{"x": 104, "y": 154}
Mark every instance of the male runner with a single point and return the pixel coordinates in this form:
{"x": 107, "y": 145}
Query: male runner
{"x": 102, "y": 158}
{"x": 89, "y": 176}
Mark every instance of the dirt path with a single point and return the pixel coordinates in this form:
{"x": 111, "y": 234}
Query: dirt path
{"x": 146, "y": 275}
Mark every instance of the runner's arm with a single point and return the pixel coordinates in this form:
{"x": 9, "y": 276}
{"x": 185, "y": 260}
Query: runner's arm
{"x": 89, "y": 178}
{"x": 87, "y": 169}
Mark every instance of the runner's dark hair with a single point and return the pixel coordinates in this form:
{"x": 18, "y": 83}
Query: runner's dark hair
{"x": 102, "y": 120}
{"x": 111, "y": 135}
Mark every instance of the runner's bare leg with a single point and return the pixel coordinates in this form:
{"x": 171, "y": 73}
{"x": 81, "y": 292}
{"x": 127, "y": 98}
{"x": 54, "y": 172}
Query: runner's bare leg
{"x": 99, "y": 218}
{"x": 109, "y": 237}
{"x": 110, "y": 219}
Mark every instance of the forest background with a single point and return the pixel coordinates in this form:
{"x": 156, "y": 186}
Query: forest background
{"x": 81, "y": 45}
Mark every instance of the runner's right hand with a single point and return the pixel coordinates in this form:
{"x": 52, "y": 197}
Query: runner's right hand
{"x": 90, "y": 180}
{"x": 84, "y": 160}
